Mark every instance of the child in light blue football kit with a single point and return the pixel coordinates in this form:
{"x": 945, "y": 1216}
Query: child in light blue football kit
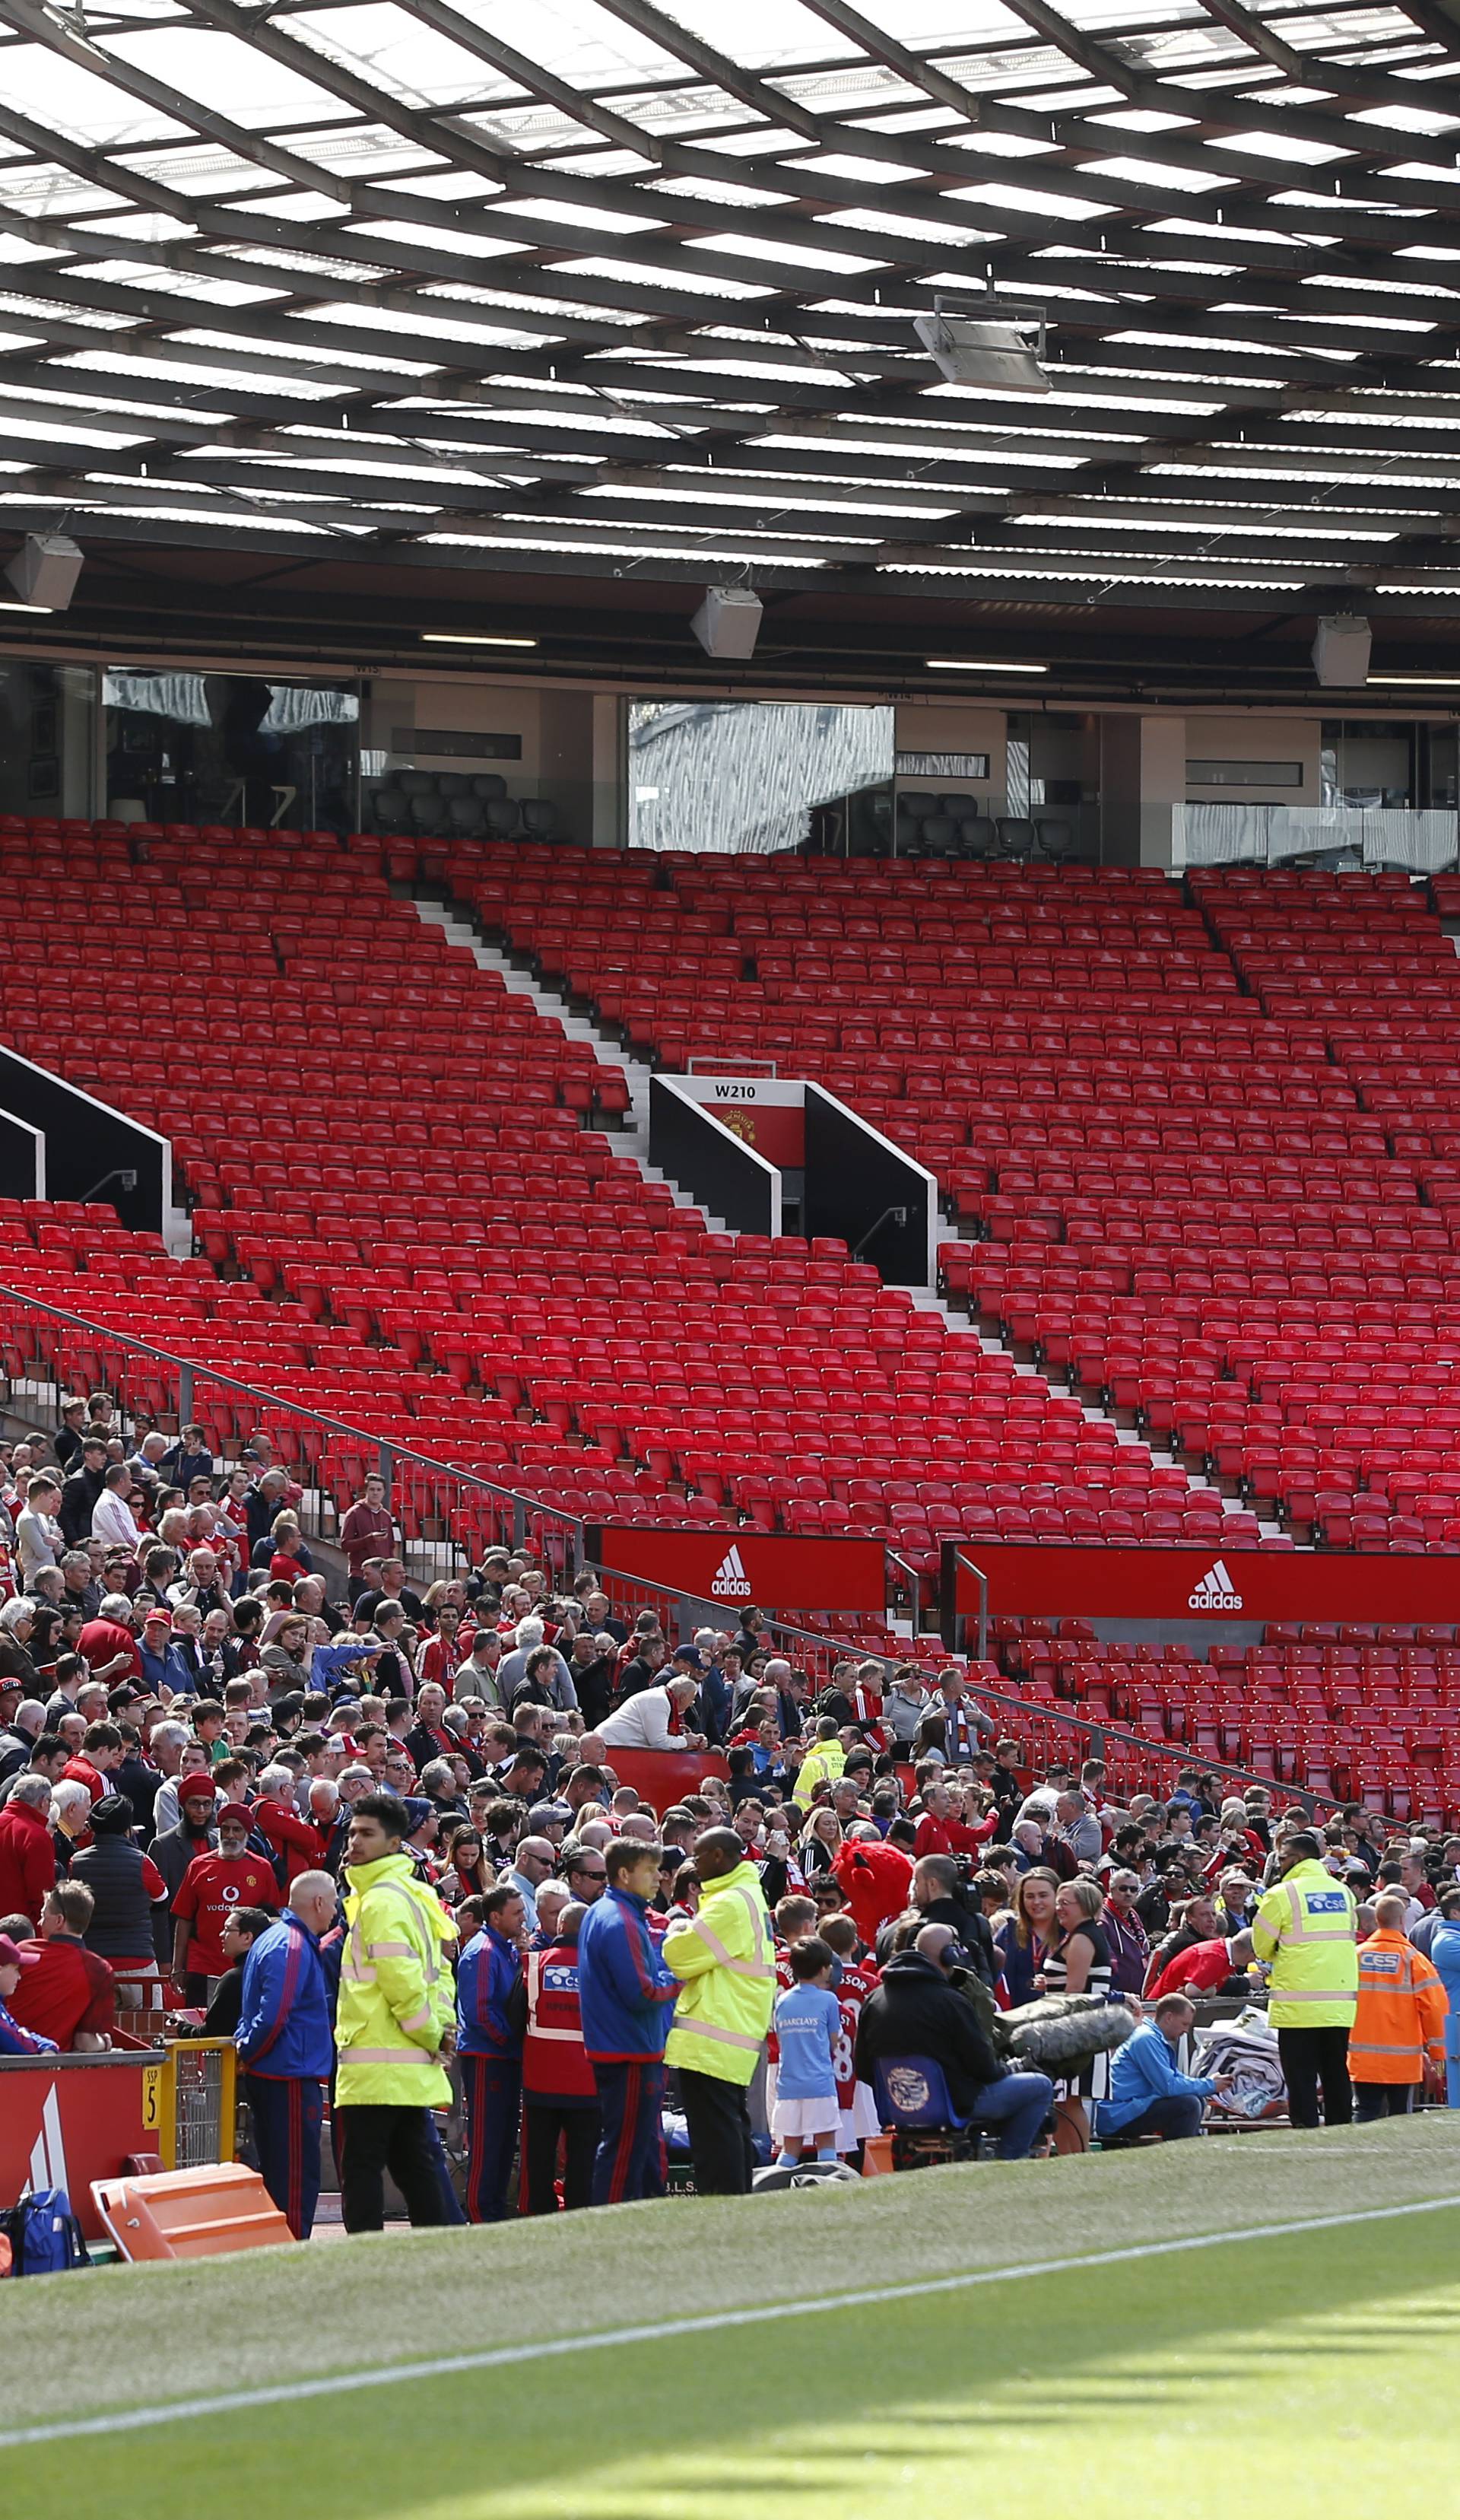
{"x": 807, "y": 2117}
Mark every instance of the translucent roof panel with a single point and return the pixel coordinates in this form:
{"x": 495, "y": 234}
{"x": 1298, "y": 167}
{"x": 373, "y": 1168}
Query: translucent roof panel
{"x": 581, "y": 270}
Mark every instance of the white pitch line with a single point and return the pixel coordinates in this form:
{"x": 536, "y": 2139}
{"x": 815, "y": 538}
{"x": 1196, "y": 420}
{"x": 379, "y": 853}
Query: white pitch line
{"x": 282, "y": 2393}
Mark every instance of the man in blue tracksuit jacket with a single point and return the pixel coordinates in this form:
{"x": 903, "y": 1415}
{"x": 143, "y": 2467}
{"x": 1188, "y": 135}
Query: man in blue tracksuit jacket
{"x": 285, "y": 2044}
{"x": 1148, "y": 2093}
{"x": 491, "y": 2010}
{"x": 627, "y": 1997}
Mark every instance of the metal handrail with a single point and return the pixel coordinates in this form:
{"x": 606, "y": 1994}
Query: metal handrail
{"x": 388, "y": 1452}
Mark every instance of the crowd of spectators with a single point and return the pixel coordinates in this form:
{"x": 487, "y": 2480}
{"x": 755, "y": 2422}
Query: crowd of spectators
{"x": 217, "y": 1756}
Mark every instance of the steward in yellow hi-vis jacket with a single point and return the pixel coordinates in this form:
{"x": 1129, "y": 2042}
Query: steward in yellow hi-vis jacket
{"x": 395, "y": 2024}
{"x": 1304, "y": 1930}
{"x": 726, "y": 1956}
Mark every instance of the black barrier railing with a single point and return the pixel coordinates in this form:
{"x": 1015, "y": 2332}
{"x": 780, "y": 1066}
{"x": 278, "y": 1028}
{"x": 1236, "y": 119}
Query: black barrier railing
{"x": 448, "y": 1515}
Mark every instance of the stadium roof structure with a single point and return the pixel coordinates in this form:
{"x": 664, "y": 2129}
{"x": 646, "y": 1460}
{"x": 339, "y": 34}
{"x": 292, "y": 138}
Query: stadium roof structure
{"x": 441, "y": 301}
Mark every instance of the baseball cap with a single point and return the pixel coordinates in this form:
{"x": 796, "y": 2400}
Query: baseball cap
{"x": 543, "y": 1815}
{"x": 11, "y": 1955}
{"x": 418, "y": 1808}
{"x": 157, "y": 1618}
{"x": 689, "y": 1654}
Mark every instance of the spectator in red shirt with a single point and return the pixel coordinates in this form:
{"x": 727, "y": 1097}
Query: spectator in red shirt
{"x": 941, "y": 1832}
{"x": 68, "y": 1994}
{"x": 108, "y": 1641}
{"x": 101, "y": 1751}
{"x": 291, "y": 1841}
{"x": 367, "y": 1530}
{"x": 27, "y": 1854}
{"x": 875, "y": 1877}
{"x": 1203, "y": 1968}
{"x": 210, "y": 1888}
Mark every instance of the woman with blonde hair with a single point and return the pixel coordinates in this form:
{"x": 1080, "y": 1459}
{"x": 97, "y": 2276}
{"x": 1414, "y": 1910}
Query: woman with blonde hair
{"x": 818, "y": 1841}
{"x": 1077, "y": 1962}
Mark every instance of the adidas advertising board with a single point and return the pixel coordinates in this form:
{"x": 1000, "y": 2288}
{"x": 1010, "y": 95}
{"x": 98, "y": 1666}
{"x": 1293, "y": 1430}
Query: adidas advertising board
{"x": 1214, "y": 1592}
{"x": 731, "y": 1582}
{"x": 1248, "y": 1586}
{"x": 774, "y": 1571}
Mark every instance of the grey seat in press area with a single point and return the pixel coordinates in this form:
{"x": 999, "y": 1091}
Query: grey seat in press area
{"x": 467, "y": 815}
{"x": 1017, "y": 836}
{"x": 416, "y": 782}
{"x": 392, "y": 810}
{"x": 978, "y": 836}
{"x": 940, "y": 835}
{"x": 452, "y": 783}
{"x": 425, "y": 813}
{"x": 487, "y": 783}
{"x": 1057, "y": 839}
{"x": 959, "y": 808}
{"x": 917, "y": 803}
{"x": 539, "y": 816}
{"x": 502, "y": 817}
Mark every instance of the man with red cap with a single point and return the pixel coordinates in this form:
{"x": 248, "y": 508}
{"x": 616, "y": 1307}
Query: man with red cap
{"x": 212, "y": 1886}
{"x": 14, "y": 2041}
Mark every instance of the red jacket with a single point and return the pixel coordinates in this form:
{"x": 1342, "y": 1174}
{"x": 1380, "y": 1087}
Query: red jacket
{"x": 27, "y": 1859}
{"x": 952, "y": 1836}
{"x": 302, "y": 1848}
{"x": 877, "y": 1881}
{"x": 84, "y": 1774}
{"x": 554, "y": 2060}
{"x": 1201, "y": 1969}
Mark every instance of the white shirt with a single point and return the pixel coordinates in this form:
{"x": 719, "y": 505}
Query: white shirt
{"x": 38, "y": 1540}
{"x": 641, "y": 1723}
{"x": 112, "y": 1522}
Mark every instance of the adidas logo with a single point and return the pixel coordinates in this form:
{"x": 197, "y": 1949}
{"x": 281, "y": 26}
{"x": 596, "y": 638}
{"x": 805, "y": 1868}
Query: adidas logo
{"x": 729, "y": 1582}
{"x": 1214, "y": 1592}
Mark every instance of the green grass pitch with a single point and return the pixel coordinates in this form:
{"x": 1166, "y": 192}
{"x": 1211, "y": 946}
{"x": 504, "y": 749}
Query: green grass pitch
{"x": 1303, "y": 2372}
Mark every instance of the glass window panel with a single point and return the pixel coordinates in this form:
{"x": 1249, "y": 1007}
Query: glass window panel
{"x": 720, "y": 775}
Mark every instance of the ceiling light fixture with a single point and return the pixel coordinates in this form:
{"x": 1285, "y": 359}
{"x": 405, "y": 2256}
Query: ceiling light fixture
{"x": 471, "y": 639}
{"x": 978, "y": 665}
{"x": 25, "y": 608}
{"x": 1424, "y": 681}
{"x": 986, "y": 343}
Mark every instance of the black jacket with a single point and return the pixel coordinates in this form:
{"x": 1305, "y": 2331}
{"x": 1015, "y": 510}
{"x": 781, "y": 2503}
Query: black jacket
{"x": 915, "y": 2013}
{"x": 78, "y": 1496}
{"x": 973, "y": 1930}
{"x": 971, "y": 1927}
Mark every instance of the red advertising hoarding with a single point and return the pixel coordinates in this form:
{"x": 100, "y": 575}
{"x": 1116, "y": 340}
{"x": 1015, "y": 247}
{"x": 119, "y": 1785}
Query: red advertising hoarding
{"x": 739, "y": 1567}
{"x": 67, "y": 2120}
{"x": 1247, "y": 1585}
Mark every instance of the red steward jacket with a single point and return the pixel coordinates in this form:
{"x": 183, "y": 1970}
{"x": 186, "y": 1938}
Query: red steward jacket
{"x": 554, "y": 2061}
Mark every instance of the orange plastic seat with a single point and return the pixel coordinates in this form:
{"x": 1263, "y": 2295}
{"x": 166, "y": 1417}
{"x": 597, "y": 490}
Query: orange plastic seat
{"x": 211, "y": 2212}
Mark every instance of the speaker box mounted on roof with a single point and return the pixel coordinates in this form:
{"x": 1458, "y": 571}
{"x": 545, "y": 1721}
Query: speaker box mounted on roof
{"x": 1341, "y": 651}
{"x": 45, "y": 570}
{"x": 728, "y": 623}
